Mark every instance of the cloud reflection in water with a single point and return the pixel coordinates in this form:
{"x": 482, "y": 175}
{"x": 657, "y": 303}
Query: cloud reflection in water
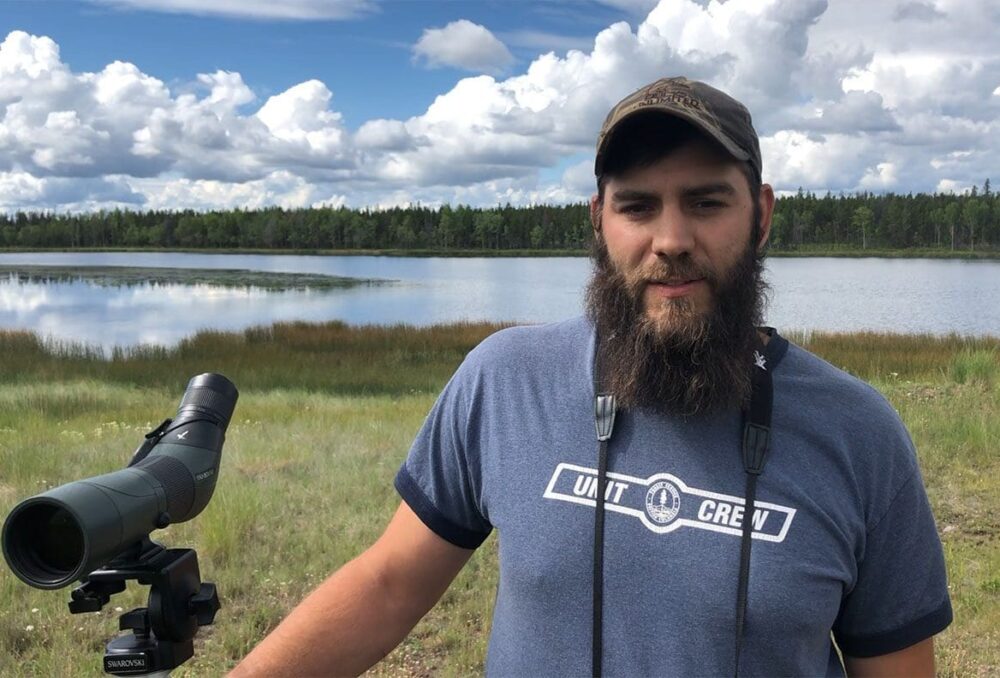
{"x": 150, "y": 314}
{"x": 934, "y": 296}
{"x": 157, "y": 314}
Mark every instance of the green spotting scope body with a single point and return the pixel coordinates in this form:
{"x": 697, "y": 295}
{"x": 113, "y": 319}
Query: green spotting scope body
{"x": 64, "y": 534}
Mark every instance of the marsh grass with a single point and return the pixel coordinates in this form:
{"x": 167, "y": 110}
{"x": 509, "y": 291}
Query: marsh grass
{"x": 976, "y": 365}
{"x": 326, "y": 415}
{"x": 874, "y": 355}
{"x": 329, "y": 358}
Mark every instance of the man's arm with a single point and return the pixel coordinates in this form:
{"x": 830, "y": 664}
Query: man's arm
{"x": 915, "y": 661}
{"x": 360, "y": 613}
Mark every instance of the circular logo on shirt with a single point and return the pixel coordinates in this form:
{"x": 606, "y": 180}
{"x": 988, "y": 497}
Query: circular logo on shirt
{"x": 663, "y": 502}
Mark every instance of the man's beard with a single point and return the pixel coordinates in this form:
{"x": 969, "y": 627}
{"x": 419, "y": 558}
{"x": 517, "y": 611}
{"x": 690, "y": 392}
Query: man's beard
{"x": 681, "y": 361}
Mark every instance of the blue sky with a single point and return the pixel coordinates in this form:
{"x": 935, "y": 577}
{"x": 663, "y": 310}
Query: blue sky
{"x": 367, "y": 61}
{"x": 223, "y": 103}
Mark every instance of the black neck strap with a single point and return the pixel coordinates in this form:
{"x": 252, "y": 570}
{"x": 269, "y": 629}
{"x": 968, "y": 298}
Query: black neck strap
{"x": 756, "y": 441}
{"x": 756, "y": 434}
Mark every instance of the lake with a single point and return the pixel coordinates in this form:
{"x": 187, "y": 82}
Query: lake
{"x": 895, "y": 295}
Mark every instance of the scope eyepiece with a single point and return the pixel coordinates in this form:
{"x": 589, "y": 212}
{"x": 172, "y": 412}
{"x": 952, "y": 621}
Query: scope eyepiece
{"x": 209, "y": 396}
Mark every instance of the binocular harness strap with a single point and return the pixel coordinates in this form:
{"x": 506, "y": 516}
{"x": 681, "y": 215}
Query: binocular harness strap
{"x": 756, "y": 440}
{"x": 754, "y": 446}
{"x": 605, "y": 419}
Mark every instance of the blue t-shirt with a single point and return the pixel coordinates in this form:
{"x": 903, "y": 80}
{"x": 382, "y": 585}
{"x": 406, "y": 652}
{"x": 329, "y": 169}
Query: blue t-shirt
{"x": 844, "y": 539}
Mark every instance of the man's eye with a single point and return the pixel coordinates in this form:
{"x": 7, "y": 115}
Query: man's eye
{"x": 635, "y": 209}
{"x": 709, "y": 204}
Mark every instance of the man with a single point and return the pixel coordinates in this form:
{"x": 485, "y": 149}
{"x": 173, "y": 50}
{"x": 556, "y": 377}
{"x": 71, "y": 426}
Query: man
{"x": 743, "y": 504}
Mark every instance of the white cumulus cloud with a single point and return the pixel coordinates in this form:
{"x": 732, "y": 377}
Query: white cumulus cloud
{"x": 384, "y": 135}
{"x": 905, "y": 102}
{"x": 463, "y": 44}
{"x": 280, "y": 188}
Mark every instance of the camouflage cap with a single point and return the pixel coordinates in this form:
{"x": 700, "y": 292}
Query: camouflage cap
{"x": 715, "y": 113}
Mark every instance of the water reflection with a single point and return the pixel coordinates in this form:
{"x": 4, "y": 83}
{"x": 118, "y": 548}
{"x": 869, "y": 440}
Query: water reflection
{"x": 932, "y": 296}
{"x": 162, "y": 314}
{"x": 890, "y": 295}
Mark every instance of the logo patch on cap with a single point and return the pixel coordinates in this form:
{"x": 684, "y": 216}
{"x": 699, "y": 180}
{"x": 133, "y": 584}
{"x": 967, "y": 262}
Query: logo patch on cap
{"x": 671, "y": 93}
{"x": 676, "y": 93}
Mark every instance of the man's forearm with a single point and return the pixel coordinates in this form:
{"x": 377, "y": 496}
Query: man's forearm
{"x": 342, "y": 628}
{"x": 365, "y": 609}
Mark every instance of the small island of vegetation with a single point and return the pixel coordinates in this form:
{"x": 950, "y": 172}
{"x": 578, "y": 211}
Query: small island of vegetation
{"x": 128, "y": 276}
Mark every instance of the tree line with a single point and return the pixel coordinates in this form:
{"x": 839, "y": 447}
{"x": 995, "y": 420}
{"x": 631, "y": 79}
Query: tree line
{"x": 970, "y": 221}
{"x": 967, "y": 222}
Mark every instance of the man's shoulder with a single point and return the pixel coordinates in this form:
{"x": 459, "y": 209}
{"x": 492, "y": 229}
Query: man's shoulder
{"x": 531, "y": 344}
{"x": 804, "y": 369}
{"x": 830, "y": 396}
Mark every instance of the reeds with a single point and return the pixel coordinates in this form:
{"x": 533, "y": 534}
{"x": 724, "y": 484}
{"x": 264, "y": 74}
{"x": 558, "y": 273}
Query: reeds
{"x": 874, "y": 355}
{"x": 330, "y": 357}
{"x": 336, "y": 358}
{"x": 976, "y": 365}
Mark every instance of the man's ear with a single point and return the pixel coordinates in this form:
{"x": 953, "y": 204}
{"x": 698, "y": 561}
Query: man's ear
{"x": 766, "y": 204}
{"x": 595, "y": 212}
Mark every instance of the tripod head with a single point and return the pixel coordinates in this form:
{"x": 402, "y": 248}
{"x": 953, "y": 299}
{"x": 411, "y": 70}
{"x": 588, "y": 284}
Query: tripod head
{"x": 163, "y": 631}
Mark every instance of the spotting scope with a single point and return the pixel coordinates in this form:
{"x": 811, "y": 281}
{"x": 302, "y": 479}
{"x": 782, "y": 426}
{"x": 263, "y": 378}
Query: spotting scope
{"x": 63, "y": 535}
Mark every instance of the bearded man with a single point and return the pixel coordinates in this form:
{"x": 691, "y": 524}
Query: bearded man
{"x": 744, "y": 507}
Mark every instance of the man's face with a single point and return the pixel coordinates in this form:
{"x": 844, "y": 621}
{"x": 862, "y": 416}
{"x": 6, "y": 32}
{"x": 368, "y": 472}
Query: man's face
{"x": 677, "y": 286}
{"x": 676, "y": 230}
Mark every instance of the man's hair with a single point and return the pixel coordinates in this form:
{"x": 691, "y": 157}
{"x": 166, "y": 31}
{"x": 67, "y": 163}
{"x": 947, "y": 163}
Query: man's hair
{"x": 644, "y": 139}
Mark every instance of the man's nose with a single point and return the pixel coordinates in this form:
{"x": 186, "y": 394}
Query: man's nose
{"x": 673, "y": 234}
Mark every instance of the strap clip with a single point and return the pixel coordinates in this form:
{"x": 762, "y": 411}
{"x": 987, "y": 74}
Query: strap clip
{"x": 152, "y": 438}
{"x": 756, "y": 439}
{"x": 604, "y": 416}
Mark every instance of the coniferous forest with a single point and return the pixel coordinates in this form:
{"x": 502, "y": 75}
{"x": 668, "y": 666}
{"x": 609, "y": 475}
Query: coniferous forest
{"x": 969, "y": 222}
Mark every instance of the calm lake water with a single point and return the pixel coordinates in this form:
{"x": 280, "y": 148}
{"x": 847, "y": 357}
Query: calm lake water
{"x": 898, "y": 295}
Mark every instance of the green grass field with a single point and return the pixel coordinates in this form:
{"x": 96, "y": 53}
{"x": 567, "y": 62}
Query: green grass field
{"x": 326, "y": 415}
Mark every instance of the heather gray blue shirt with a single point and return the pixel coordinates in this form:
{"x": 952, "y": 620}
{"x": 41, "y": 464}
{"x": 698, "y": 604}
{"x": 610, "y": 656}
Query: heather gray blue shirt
{"x": 844, "y": 539}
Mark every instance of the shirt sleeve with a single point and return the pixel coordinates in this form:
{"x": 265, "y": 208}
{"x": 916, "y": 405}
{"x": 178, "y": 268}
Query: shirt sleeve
{"x": 441, "y": 479}
{"x": 900, "y": 596}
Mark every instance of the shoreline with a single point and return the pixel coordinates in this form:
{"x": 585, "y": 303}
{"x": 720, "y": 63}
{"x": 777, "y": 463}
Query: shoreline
{"x": 910, "y": 253}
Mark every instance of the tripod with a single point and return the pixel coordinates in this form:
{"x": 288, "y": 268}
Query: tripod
{"x": 163, "y": 631}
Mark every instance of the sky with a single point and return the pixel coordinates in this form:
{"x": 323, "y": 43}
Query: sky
{"x": 217, "y": 104}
